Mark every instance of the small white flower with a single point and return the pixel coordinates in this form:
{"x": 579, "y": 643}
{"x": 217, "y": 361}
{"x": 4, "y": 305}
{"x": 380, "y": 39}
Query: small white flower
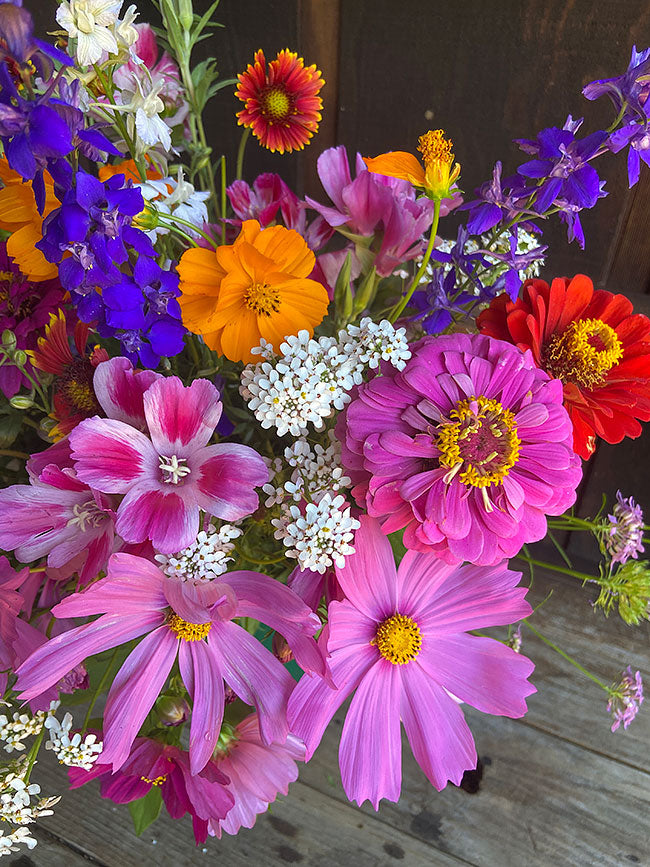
{"x": 176, "y": 197}
{"x": 9, "y": 843}
{"x": 73, "y": 752}
{"x": 143, "y": 115}
{"x": 91, "y": 23}
{"x": 205, "y": 559}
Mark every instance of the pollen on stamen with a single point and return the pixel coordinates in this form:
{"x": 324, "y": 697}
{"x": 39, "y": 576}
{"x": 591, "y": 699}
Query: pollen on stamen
{"x": 398, "y": 639}
{"x": 188, "y": 631}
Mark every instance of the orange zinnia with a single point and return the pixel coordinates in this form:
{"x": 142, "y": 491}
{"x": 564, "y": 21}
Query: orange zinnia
{"x": 19, "y": 215}
{"x": 436, "y": 175}
{"x": 257, "y": 287}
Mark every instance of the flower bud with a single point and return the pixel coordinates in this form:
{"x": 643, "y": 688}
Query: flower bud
{"x": 21, "y": 401}
{"x": 281, "y": 648}
{"x": 172, "y": 710}
{"x": 8, "y": 340}
{"x": 185, "y": 14}
{"x": 20, "y": 358}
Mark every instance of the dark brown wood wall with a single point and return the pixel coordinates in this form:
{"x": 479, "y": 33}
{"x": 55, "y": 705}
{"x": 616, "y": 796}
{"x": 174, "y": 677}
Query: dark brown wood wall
{"x": 487, "y": 71}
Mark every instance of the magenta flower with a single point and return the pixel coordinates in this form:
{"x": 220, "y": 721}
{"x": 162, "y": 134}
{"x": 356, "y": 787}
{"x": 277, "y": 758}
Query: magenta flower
{"x": 468, "y": 448}
{"x": 625, "y": 698}
{"x": 60, "y": 517}
{"x": 171, "y": 475}
{"x": 204, "y": 795}
{"x": 400, "y": 639}
{"x": 268, "y": 195}
{"x": 258, "y": 773}
{"x": 188, "y": 622}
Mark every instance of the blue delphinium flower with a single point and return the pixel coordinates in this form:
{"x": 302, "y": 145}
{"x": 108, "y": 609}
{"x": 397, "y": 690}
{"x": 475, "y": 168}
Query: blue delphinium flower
{"x": 496, "y": 201}
{"x": 515, "y": 262}
{"x": 631, "y": 88}
{"x": 438, "y": 300}
{"x": 636, "y": 134}
{"x": 25, "y": 55}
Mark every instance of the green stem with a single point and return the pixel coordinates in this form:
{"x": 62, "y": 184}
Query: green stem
{"x": 572, "y": 572}
{"x": 166, "y": 219}
{"x": 98, "y": 690}
{"x": 193, "y": 350}
{"x": 397, "y": 310}
{"x": 566, "y": 656}
{"x": 11, "y": 453}
{"x": 240, "y": 153}
{"x": 31, "y": 758}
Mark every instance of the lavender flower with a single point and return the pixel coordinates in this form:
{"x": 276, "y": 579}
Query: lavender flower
{"x": 625, "y": 698}
{"x": 625, "y": 532}
{"x": 637, "y": 135}
{"x": 632, "y": 87}
{"x": 496, "y": 201}
{"x": 438, "y": 300}
{"x": 515, "y": 262}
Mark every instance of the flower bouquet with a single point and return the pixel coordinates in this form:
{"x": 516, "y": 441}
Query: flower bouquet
{"x": 263, "y": 454}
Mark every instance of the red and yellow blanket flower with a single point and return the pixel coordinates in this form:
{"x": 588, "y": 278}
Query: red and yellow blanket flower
{"x": 437, "y": 174}
{"x": 258, "y": 287}
{"x": 19, "y": 215}
{"x": 593, "y": 342}
{"x": 282, "y": 107}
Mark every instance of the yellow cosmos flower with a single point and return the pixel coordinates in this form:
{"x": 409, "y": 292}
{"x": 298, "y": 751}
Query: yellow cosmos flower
{"x": 436, "y": 175}
{"x": 257, "y": 287}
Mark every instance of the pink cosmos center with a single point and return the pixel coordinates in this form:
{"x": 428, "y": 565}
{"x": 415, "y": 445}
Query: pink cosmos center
{"x": 174, "y": 469}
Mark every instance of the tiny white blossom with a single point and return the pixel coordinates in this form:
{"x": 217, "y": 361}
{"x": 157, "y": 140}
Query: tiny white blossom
{"x": 72, "y": 751}
{"x": 205, "y": 559}
{"x": 16, "y": 804}
{"x": 318, "y": 535}
{"x": 176, "y": 197}
{"x": 10, "y": 843}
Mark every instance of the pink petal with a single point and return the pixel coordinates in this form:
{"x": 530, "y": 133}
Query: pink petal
{"x": 164, "y": 517}
{"x": 349, "y": 626}
{"x": 418, "y": 578}
{"x": 314, "y": 703}
{"x": 34, "y": 519}
{"x": 50, "y": 662}
{"x": 132, "y": 585}
{"x": 202, "y": 678}
{"x": 136, "y": 687}
{"x": 119, "y": 389}
{"x": 181, "y": 418}
{"x": 110, "y": 455}
{"x": 334, "y": 173}
{"x": 480, "y": 671}
{"x": 370, "y": 754}
{"x": 225, "y": 476}
{"x": 439, "y": 736}
{"x": 256, "y": 676}
{"x": 369, "y": 578}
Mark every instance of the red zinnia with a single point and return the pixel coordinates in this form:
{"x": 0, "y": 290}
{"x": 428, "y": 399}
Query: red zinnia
{"x": 73, "y": 394}
{"x": 589, "y": 339}
{"x": 282, "y": 106}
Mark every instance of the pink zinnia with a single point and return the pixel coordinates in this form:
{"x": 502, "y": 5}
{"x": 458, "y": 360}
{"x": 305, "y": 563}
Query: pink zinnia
{"x": 468, "y": 448}
{"x": 193, "y": 624}
{"x": 171, "y": 475}
{"x": 400, "y": 639}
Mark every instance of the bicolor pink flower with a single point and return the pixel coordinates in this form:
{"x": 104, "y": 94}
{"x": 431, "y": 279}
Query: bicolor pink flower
{"x": 268, "y": 195}
{"x": 400, "y": 639}
{"x": 58, "y": 516}
{"x": 172, "y": 474}
{"x": 204, "y": 795}
{"x": 258, "y": 773}
{"x": 468, "y": 448}
{"x": 190, "y": 623}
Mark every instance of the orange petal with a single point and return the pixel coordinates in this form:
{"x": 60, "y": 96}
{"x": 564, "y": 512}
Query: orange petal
{"x": 240, "y": 336}
{"x": 288, "y": 250}
{"x": 199, "y": 272}
{"x": 397, "y": 164}
{"x": 30, "y": 260}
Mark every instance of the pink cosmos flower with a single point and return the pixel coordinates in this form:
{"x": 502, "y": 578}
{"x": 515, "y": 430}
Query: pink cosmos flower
{"x": 468, "y": 448}
{"x": 188, "y": 622}
{"x": 400, "y": 639}
{"x": 171, "y": 475}
{"x": 204, "y": 795}
{"x": 258, "y": 773}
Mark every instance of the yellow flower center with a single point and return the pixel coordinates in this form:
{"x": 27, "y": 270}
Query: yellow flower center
{"x": 157, "y": 781}
{"x": 276, "y": 104}
{"x": 81, "y": 395}
{"x": 262, "y": 299}
{"x": 188, "y": 631}
{"x": 398, "y": 639}
{"x": 585, "y": 351}
{"x": 435, "y": 148}
{"x": 480, "y": 442}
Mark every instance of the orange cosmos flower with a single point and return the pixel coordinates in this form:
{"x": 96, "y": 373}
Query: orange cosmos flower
{"x": 129, "y": 169}
{"x": 282, "y": 106}
{"x": 19, "y": 215}
{"x": 437, "y": 174}
{"x": 257, "y": 287}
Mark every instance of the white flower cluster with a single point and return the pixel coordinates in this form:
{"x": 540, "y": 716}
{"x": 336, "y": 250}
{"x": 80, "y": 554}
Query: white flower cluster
{"x": 176, "y": 197}
{"x": 97, "y": 27}
{"x": 312, "y": 378}
{"x": 21, "y": 725}
{"x": 205, "y": 559}
{"x": 314, "y": 471}
{"x": 9, "y": 843}
{"x": 16, "y": 805}
{"x": 74, "y": 751}
{"x": 319, "y": 534}
{"x": 525, "y": 243}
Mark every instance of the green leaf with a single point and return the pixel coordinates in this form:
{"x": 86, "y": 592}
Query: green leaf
{"x": 397, "y": 545}
{"x": 9, "y": 428}
{"x": 146, "y": 810}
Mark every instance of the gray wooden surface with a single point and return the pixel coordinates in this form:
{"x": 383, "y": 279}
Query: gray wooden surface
{"x": 558, "y": 787}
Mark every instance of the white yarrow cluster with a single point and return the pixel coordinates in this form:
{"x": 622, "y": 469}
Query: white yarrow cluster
{"x": 16, "y": 804}
{"x": 319, "y": 534}
{"x": 97, "y": 27}
{"x": 312, "y": 378}
{"x": 314, "y": 470}
{"x": 14, "y": 730}
{"x": 10, "y": 842}
{"x": 75, "y": 751}
{"x": 205, "y": 559}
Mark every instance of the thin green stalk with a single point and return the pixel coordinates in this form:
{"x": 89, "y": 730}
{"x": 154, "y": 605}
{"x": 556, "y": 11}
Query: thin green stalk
{"x": 572, "y": 572}
{"x": 31, "y": 758}
{"x": 566, "y": 656}
{"x": 165, "y": 220}
{"x": 11, "y": 453}
{"x": 398, "y": 309}
{"x": 100, "y": 687}
{"x": 240, "y": 153}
